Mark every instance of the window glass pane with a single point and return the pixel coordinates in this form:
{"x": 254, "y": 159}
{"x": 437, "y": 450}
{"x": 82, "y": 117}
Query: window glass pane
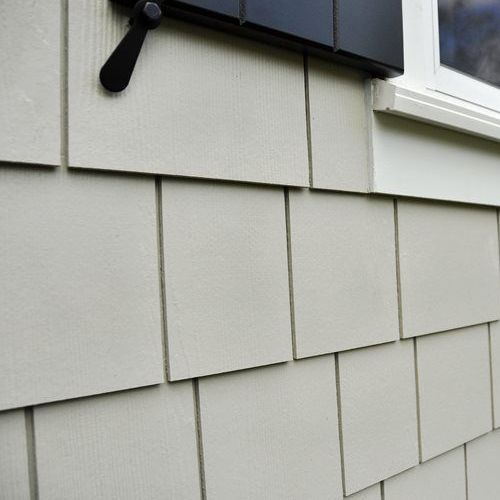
{"x": 469, "y": 37}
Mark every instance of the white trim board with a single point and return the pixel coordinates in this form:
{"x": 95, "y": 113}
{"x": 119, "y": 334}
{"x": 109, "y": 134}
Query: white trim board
{"x": 412, "y": 158}
{"x": 390, "y": 98}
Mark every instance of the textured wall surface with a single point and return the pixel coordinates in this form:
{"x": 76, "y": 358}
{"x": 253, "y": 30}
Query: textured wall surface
{"x": 199, "y": 298}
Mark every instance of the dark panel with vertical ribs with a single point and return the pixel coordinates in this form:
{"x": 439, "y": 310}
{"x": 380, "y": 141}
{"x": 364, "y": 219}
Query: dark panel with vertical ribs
{"x": 371, "y": 29}
{"x": 367, "y": 34}
{"x": 229, "y": 8}
{"x": 311, "y": 20}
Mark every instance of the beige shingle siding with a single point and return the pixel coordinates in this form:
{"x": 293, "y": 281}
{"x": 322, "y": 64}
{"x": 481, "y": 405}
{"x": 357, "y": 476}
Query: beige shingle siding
{"x": 135, "y": 444}
{"x": 344, "y": 271}
{"x": 454, "y": 387}
{"x": 338, "y": 127}
{"x": 226, "y": 276}
{"x": 442, "y": 478}
{"x": 30, "y": 82}
{"x": 379, "y": 413}
{"x": 80, "y": 296}
{"x": 272, "y": 432}
{"x": 495, "y": 369}
{"x": 287, "y": 308}
{"x": 483, "y": 463}
{"x": 14, "y": 476}
{"x": 448, "y": 257}
{"x": 371, "y": 493}
{"x": 197, "y": 106}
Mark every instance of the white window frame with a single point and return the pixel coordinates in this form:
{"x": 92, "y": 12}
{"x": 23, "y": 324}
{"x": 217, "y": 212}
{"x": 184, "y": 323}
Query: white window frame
{"x": 407, "y": 160}
{"x": 433, "y": 93}
{"x": 452, "y": 82}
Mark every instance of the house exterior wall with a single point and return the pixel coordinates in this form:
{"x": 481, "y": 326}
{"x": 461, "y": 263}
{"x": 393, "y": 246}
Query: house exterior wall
{"x": 199, "y": 296}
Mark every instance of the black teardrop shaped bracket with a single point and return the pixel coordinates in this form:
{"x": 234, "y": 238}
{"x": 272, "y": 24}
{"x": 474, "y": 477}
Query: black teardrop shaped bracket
{"x": 116, "y": 73}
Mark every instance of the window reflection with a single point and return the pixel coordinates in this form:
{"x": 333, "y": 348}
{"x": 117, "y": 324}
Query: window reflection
{"x": 469, "y": 37}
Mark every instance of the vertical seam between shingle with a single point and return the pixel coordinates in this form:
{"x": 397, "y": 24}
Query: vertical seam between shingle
{"x": 382, "y": 490}
{"x": 490, "y": 354}
{"x": 63, "y": 68}
{"x": 370, "y": 161}
{"x": 161, "y": 274}
{"x": 199, "y": 439}
{"x": 466, "y": 473}
{"x": 290, "y": 272}
{"x": 417, "y": 395}
{"x": 31, "y": 452}
{"x": 339, "y": 421}
{"x": 398, "y": 272}
{"x": 498, "y": 232}
{"x": 308, "y": 119}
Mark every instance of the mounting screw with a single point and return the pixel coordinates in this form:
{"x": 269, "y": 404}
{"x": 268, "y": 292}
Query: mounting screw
{"x": 152, "y": 14}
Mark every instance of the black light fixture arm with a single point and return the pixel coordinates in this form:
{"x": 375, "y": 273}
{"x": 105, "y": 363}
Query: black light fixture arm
{"x": 117, "y": 71}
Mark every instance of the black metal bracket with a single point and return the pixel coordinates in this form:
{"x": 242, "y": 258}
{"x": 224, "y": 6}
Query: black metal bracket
{"x": 117, "y": 71}
{"x": 366, "y": 34}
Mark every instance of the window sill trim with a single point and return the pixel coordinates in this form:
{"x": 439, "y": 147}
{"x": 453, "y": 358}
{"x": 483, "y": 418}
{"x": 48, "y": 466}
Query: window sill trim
{"x": 400, "y": 101}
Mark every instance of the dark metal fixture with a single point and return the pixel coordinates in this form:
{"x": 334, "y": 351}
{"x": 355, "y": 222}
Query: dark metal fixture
{"x": 116, "y": 72}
